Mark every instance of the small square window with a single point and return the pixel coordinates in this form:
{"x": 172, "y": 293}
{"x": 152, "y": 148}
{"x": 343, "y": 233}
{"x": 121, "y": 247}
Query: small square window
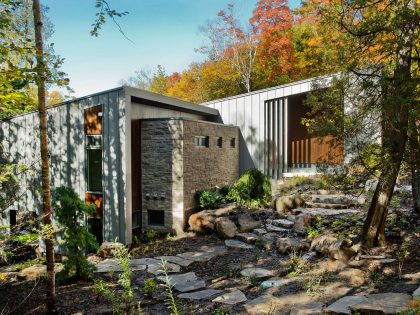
{"x": 201, "y": 141}
{"x": 156, "y": 217}
{"x": 232, "y": 142}
{"x": 219, "y": 142}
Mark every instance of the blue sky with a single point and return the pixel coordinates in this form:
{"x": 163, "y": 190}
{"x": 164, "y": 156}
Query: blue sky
{"x": 164, "y": 32}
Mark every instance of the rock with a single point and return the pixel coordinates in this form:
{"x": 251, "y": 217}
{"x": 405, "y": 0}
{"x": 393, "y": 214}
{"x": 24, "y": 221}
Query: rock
{"x": 332, "y": 265}
{"x": 176, "y": 260}
{"x": 247, "y": 223}
{"x": 260, "y": 232}
{"x": 415, "y": 277}
{"x": 238, "y": 244}
{"x": 107, "y": 249}
{"x": 203, "y": 256}
{"x": 287, "y": 244}
{"x": 271, "y": 283}
{"x": 247, "y": 237}
{"x": 33, "y": 272}
{"x": 321, "y": 244}
{"x": 283, "y": 223}
{"x": 256, "y": 273}
{"x": 302, "y": 222}
{"x": 226, "y": 228}
{"x": 342, "y": 250}
{"x": 145, "y": 261}
{"x": 231, "y": 298}
{"x": 311, "y": 256}
{"x": 202, "y": 222}
{"x": 109, "y": 265}
{"x": 416, "y": 294}
{"x": 268, "y": 241}
{"x": 158, "y": 269}
{"x": 325, "y": 212}
{"x": 355, "y": 277}
{"x": 308, "y": 309}
{"x": 273, "y": 228}
{"x": 342, "y": 306}
{"x": 383, "y": 303}
{"x": 185, "y": 282}
{"x": 199, "y": 295}
{"x": 287, "y": 203}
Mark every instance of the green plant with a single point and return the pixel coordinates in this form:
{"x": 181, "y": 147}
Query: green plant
{"x": 296, "y": 263}
{"x": 312, "y": 286}
{"x": 25, "y": 238}
{"x": 252, "y": 280}
{"x": 70, "y": 211}
{"x": 149, "y": 287}
{"x": 210, "y": 199}
{"x": 402, "y": 254}
{"x": 151, "y": 235}
{"x": 170, "y": 299}
{"x": 222, "y": 310}
{"x": 28, "y": 263}
{"x": 122, "y": 302}
{"x": 252, "y": 190}
{"x": 316, "y": 229}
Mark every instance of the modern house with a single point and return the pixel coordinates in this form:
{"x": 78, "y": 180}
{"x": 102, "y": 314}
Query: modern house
{"x": 142, "y": 157}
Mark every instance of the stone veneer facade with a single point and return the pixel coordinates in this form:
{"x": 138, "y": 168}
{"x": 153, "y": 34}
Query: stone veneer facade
{"x": 174, "y": 168}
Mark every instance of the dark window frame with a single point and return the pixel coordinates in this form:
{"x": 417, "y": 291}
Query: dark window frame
{"x": 201, "y": 141}
{"x": 233, "y": 143}
{"x": 219, "y": 142}
{"x": 160, "y": 220}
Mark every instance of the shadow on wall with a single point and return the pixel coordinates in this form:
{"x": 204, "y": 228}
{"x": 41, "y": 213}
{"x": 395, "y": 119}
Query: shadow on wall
{"x": 245, "y": 159}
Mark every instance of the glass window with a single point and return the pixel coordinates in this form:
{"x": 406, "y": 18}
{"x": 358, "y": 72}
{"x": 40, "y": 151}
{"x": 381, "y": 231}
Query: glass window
{"x": 94, "y": 172}
{"x": 219, "y": 142}
{"x": 201, "y": 141}
{"x": 136, "y": 219}
{"x": 232, "y": 143}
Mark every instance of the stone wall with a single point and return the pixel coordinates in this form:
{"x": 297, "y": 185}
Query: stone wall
{"x": 174, "y": 168}
{"x": 160, "y": 139}
{"x": 206, "y": 167}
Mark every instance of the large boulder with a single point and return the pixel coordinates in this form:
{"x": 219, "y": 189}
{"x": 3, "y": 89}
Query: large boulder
{"x": 268, "y": 241}
{"x": 107, "y": 249}
{"x": 226, "y": 228}
{"x": 383, "y": 303}
{"x": 202, "y": 222}
{"x": 342, "y": 250}
{"x": 33, "y": 273}
{"x": 286, "y": 203}
{"x": 321, "y": 244}
{"x": 287, "y": 244}
{"x": 303, "y": 221}
{"x": 247, "y": 223}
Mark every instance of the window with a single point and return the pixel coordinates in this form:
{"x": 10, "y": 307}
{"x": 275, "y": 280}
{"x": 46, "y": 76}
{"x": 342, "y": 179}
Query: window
{"x": 12, "y": 218}
{"x": 94, "y": 163}
{"x": 136, "y": 219}
{"x": 156, "y": 217}
{"x": 201, "y": 141}
{"x": 232, "y": 143}
{"x": 219, "y": 142}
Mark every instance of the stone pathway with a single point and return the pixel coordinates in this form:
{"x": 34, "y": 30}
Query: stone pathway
{"x": 231, "y": 298}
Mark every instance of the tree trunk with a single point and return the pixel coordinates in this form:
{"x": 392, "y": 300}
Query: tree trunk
{"x": 414, "y": 159}
{"x": 45, "y": 170}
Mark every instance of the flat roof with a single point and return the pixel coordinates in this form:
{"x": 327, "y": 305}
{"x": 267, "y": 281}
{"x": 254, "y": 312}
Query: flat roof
{"x": 150, "y": 98}
{"x": 270, "y": 89}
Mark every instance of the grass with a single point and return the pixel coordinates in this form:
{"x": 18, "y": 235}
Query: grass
{"x": 28, "y": 263}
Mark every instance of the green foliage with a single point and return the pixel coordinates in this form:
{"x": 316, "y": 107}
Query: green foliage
{"x": 170, "y": 300}
{"x": 252, "y": 190}
{"x": 403, "y": 253}
{"x": 28, "y": 263}
{"x": 210, "y": 199}
{"x": 296, "y": 264}
{"x": 316, "y": 229}
{"x": 149, "y": 287}
{"x": 123, "y": 301}
{"x": 25, "y": 238}
{"x": 70, "y": 212}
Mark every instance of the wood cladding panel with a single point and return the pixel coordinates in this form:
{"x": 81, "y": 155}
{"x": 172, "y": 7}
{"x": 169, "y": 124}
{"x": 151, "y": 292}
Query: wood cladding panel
{"x": 98, "y": 201}
{"x": 93, "y": 120}
{"x": 317, "y": 150}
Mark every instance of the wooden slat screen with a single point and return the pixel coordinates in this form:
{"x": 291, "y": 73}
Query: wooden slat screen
{"x": 317, "y": 150}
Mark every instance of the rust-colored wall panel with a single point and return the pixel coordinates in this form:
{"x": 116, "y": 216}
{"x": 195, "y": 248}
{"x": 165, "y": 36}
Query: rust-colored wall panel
{"x": 93, "y": 120}
{"x": 98, "y": 201}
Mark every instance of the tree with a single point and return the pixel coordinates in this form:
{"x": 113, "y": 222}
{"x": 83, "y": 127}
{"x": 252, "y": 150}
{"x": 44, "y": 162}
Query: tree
{"x": 271, "y": 23}
{"x": 380, "y": 80}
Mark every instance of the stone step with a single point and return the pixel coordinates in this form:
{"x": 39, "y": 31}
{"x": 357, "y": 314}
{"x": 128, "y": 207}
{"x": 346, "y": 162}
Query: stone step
{"x": 339, "y": 199}
{"x": 283, "y": 223}
{"x": 325, "y": 212}
{"x": 310, "y": 204}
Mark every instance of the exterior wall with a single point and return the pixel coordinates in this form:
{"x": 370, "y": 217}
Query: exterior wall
{"x": 206, "y": 167}
{"x": 161, "y": 142}
{"x": 247, "y": 112}
{"x": 174, "y": 169}
{"x": 20, "y": 138}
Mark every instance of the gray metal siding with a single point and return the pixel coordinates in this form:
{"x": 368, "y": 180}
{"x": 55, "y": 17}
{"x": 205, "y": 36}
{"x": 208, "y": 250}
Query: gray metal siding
{"x": 20, "y": 137}
{"x": 247, "y": 112}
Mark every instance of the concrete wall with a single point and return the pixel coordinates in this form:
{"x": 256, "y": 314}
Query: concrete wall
{"x": 207, "y": 167}
{"x": 20, "y": 137}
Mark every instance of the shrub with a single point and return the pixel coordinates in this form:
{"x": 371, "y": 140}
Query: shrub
{"x": 252, "y": 190}
{"x": 70, "y": 211}
{"x": 210, "y": 199}
{"x": 149, "y": 287}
